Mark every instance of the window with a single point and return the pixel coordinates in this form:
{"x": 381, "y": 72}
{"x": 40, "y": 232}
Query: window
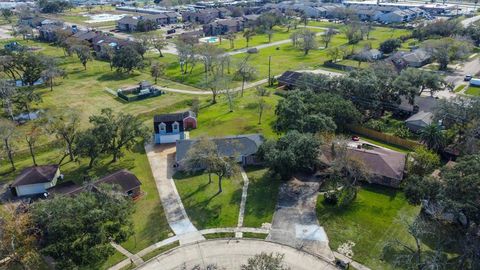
{"x": 175, "y": 126}
{"x": 162, "y": 127}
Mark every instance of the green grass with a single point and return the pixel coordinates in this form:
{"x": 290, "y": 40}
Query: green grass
{"x": 370, "y": 221}
{"x": 205, "y": 207}
{"x": 113, "y": 260}
{"x": 160, "y": 250}
{"x": 280, "y": 33}
{"x": 459, "y": 88}
{"x": 219, "y": 235}
{"x": 217, "y": 120}
{"x": 386, "y": 145}
{"x": 255, "y": 235}
{"x": 473, "y": 90}
{"x": 150, "y": 224}
{"x": 262, "y": 197}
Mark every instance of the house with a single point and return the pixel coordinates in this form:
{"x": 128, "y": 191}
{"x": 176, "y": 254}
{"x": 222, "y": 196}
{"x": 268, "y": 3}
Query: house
{"x": 127, "y": 24}
{"x": 123, "y": 181}
{"x": 48, "y": 32}
{"x": 419, "y": 121}
{"x": 204, "y": 16}
{"x": 289, "y": 79}
{"x": 416, "y": 58}
{"x": 386, "y": 167}
{"x": 222, "y": 27}
{"x": 242, "y": 147}
{"x": 170, "y": 128}
{"x": 369, "y": 55}
{"x": 35, "y": 180}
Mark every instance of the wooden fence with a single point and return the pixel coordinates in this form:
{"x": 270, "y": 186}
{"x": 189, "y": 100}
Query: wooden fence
{"x": 411, "y": 145}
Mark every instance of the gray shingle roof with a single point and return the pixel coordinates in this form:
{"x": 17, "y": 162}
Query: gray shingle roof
{"x": 36, "y": 175}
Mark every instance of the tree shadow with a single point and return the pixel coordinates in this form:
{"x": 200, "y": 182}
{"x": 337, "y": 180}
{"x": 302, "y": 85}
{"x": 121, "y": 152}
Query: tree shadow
{"x": 117, "y": 76}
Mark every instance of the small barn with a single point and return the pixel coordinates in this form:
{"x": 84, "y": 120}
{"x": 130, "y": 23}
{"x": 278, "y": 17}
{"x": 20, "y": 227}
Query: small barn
{"x": 35, "y": 180}
{"x": 289, "y": 79}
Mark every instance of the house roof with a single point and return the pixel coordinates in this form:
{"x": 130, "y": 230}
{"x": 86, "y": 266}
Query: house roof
{"x": 289, "y": 77}
{"x": 380, "y": 161}
{"x": 36, "y": 175}
{"x": 421, "y": 118}
{"x": 230, "y": 146}
{"x": 128, "y": 20}
{"x": 172, "y": 117}
{"x": 124, "y": 179}
{"x": 418, "y": 55}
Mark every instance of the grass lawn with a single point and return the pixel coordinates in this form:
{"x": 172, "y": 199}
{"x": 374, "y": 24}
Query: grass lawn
{"x": 262, "y": 197}
{"x": 216, "y": 120}
{"x": 150, "y": 224}
{"x": 113, "y": 260}
{"x": 160, "y": 250}
{"x": 370, "y": 221}
{"x": 280, "y": 33}
{"x": 386, "y": 145}
{"x": 205, "y": 207}
{"x": 460, "y": 88}
{"x": 473, "y": 90}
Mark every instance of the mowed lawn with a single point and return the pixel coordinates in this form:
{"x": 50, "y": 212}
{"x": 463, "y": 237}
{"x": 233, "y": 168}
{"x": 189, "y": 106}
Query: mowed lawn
{"x": 473, "y": 90}
{"x": 205, "y": 207}
{"x": 370, "y": 221}
{"x": 262, "y": 197}
{"x": 217, "y": 120}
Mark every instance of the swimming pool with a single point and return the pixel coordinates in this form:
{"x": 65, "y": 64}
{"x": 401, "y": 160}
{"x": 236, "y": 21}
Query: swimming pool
{"x": 209, "y": 40}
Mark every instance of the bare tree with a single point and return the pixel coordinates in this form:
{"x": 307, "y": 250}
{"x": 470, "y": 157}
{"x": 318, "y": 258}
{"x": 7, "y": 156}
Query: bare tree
{"x": 52, "y": 71}
{"x": 7, "y": 93}
{"x": 7, "y": 134}
{"x": 328, "y": 35}
{"x": 156, "y": 70}
{"x": 262, "y": 105}
{"x": 31, "y": 136}
{"x": 245, "y": 72}
{"x": 66, "y": 128}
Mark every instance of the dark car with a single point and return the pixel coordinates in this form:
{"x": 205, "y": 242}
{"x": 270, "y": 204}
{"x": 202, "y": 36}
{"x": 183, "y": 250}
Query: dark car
{"x": 171, "y": 31}
{"x": 467, "y": 78}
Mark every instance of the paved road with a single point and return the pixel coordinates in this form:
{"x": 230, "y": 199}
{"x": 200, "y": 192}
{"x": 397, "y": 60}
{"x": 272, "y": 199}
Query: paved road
{"x": 161, "y": 158}
{"x": 466, "y": 22}
{"x": 295, "y": 221}
{"x": 231, "y": 254}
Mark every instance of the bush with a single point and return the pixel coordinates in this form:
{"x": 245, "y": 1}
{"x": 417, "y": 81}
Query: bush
{"x": 402, "y": 132}
{"x": 377, "y": 125}
{"x": 331, "y": 198}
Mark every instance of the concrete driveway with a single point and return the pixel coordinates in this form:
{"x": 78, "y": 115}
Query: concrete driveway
{"x": 231, "y": 254}
{"x": 295, "y": 220}
{"x": 161, "y": 159}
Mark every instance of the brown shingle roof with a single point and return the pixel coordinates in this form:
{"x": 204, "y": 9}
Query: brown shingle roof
{"x": 36, "y": 175}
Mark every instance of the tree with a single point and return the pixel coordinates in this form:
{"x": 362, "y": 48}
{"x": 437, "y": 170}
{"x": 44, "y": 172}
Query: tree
{"x": 83, "y": 53}
{"x": 17, "y": 240}
{"x": 245, "y": 72}
{"x": 24, "y": 98}
{"x": 7, "y": 94}
{"x": 24, "y": 30}
{"x": 202, "y": 155}
{"x": 52, "y": 71}
{"x": 390, "y": 45}
{"x": 265, "y": 261}
{"x": 448, "y": 49}
{"x": 7, "y": 14}
{"x": 53, "y": 6}
{"x": 353, "y": 33}
{"x": 30, "y": 66}
{"x": 262, "y": 105}
{"x": 127, "y": 59}
{"x": 65, "y": 126}
{"x": 120, "y": 131}
{"x": 89, "y": 145}
{"x": 432, "y": 135}
{"x": 294, "y": 152}
{"x": 159, "y": 43}
{"x": 7, "y": 134}
{"x": 77, "y": 231}
{"x": 412, "y": 82}
{"x": 333, "y": 53}
{"x": 305, "y": 39}
{"x": 328, "y": 35}
{"x": 231, "y": 38}
{"x": 34, "y": 132}
{"x": 224, "y": 167}
{"x": 269, "y": 34}
{"x": 423, "y": 161}
{"x": 248, "y": 34}
{"x": 157, "y": 70}
{"x": 186, "y": 55}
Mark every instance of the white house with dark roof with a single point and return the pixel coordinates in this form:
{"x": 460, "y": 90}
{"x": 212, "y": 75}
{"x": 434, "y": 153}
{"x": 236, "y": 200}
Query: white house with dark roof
{"x": 35, "y": 180}
{"x": 170, "y": 128}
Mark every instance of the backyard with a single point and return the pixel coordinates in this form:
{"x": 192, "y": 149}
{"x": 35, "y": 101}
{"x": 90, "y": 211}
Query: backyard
{"x": 373, "y": 219}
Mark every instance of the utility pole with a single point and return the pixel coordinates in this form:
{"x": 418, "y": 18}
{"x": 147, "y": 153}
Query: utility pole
{"x": 269, "y": 70}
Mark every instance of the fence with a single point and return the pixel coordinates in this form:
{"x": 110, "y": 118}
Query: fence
{"x": 411, "y": 145}
{"x": 331, "y": 64}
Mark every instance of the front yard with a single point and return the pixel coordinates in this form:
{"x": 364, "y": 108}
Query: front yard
{"x": 370, "y": 221}
{"x": 205, "y": 207}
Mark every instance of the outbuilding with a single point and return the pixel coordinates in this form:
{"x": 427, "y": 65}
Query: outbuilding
{"x": 35, "y": 180}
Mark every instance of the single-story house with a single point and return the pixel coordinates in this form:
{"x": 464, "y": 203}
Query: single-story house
{"x": 170, "y": 128}
{"x": 369, "y": 55}
{"x": 289, "y": 79}
{"x": 123, "y": 181}
{"x": 416, "y": 58}
{"x": 386, "y": 167}
{"x": 419, "y": 121}
{"x": 242, "y": 147}
{"x": 35, "y": 180}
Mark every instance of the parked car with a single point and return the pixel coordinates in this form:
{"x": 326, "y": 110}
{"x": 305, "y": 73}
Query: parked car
{"x": 467, "y": 78}
{"x": 168, "y": 37}
{"x": 355, "y": 138}
{"x": 171, "y": 31}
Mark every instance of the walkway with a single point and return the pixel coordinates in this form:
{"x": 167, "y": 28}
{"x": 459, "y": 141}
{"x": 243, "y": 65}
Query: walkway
{"x": 468, "y": 21}
{"x": 243, "y": 202}
{"x": 295, "y": 221}
{"x": 161, "y": 158}
{"x": 230, "y": 254}
{"x": 136, "y": 259}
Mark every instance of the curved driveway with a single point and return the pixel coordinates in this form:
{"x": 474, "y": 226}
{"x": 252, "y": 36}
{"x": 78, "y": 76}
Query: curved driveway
{"x": 231, "y": 254}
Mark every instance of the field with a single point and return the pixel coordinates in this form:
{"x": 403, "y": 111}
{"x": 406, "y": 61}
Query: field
{"x": 473, "y": 90}
{"x": 372, "y": 220}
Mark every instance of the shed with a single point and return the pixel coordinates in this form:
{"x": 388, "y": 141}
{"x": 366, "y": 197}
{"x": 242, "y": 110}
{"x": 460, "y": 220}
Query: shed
{"x": 289, "y": 79}
{"x": 419, "y": 121}
{"x": 35, "y": 180}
